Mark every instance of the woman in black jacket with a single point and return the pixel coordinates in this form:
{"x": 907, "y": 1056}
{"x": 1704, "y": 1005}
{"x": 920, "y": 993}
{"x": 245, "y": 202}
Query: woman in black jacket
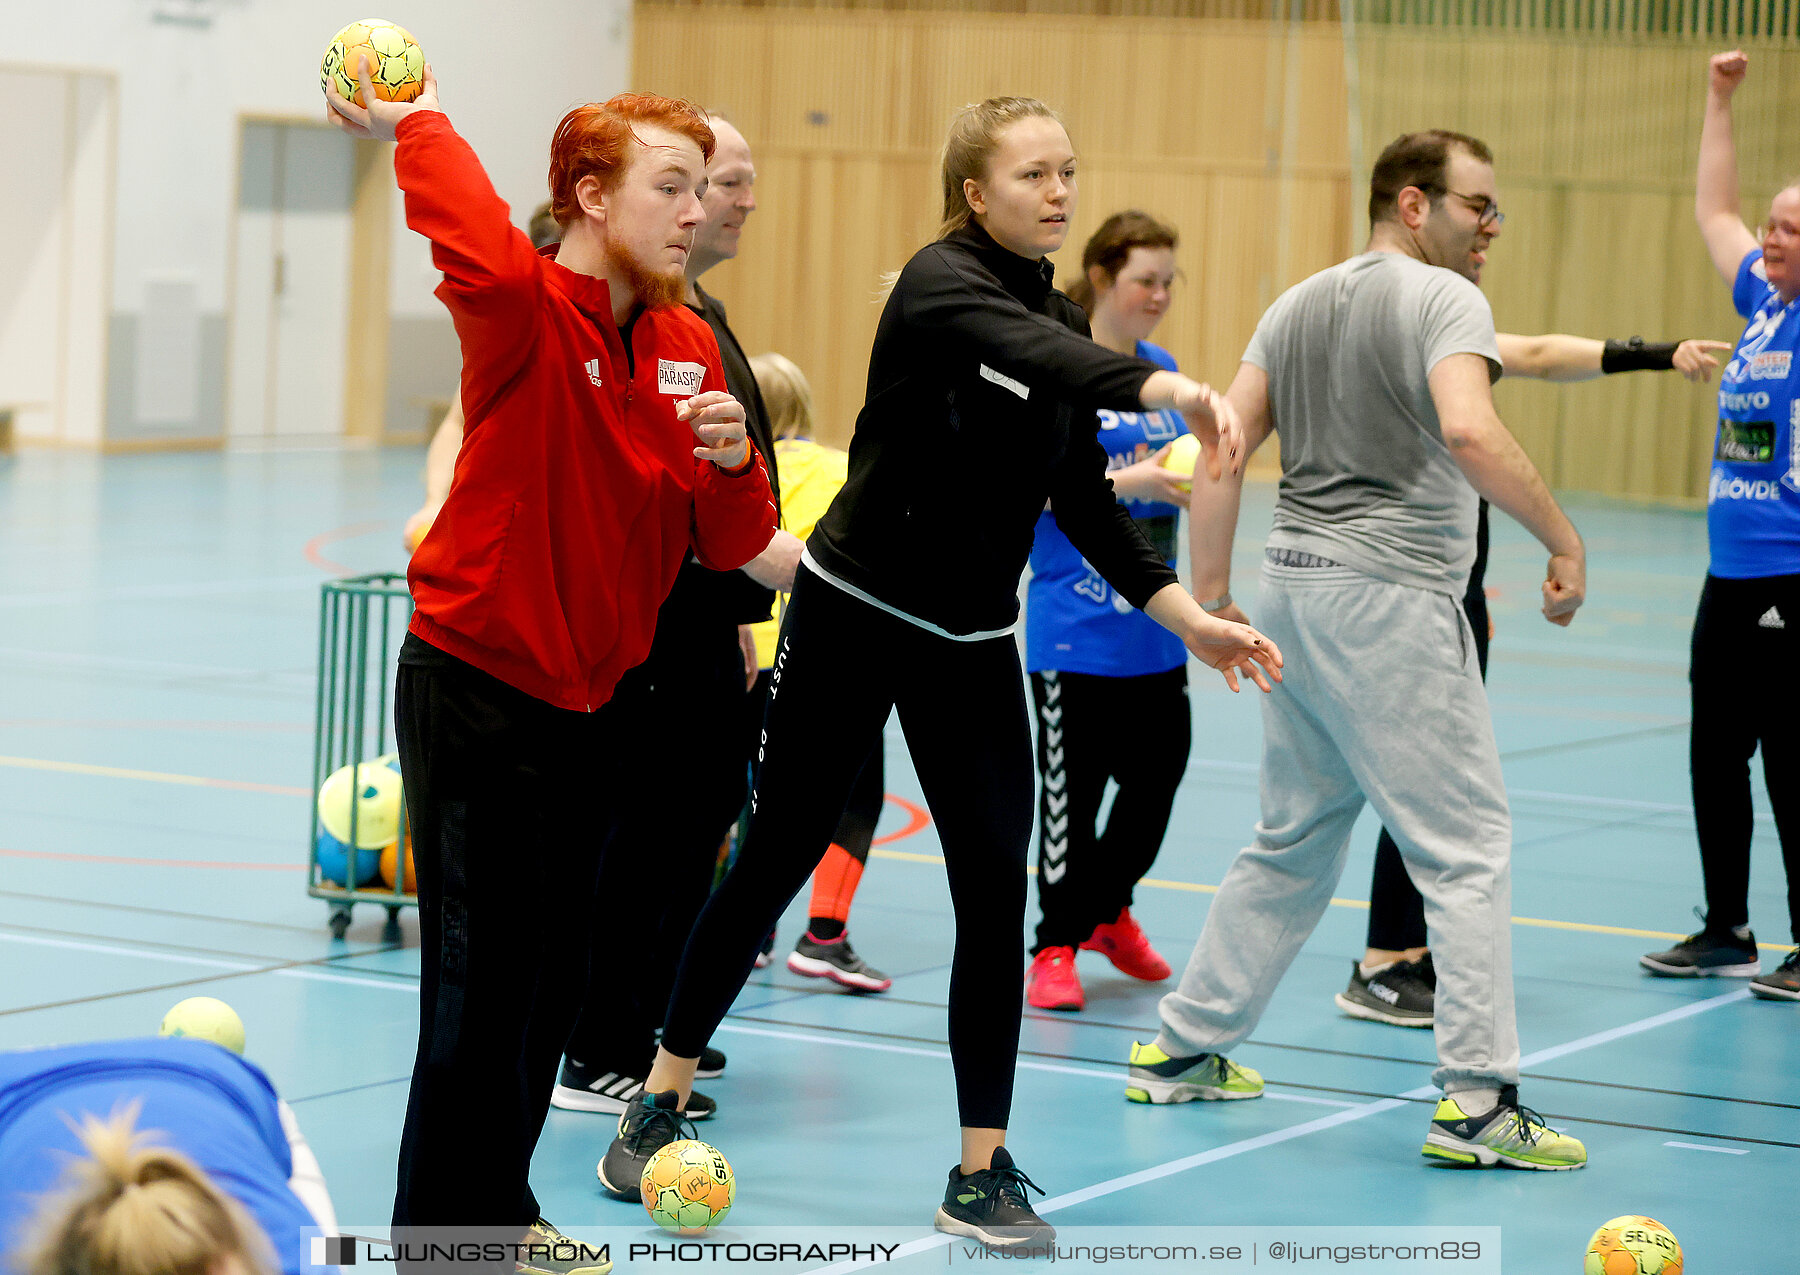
{"x": 907, "y": 599}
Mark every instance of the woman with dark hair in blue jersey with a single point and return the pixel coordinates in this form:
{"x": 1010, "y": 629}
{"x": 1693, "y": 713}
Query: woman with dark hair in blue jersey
{"x": 1110, "y": 684}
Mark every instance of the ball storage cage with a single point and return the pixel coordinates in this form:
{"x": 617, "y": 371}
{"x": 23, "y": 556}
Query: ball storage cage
{"x": 362, "y": 621}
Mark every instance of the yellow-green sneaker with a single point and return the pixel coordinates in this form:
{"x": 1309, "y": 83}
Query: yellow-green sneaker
{"x": 1156, "y": 1077}
{"x": 1509, "y": 1134}
{"x": 547, "y": 1251}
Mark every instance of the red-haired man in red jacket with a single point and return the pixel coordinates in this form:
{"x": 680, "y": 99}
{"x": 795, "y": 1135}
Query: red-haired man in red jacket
{"x": 600, "y": 450}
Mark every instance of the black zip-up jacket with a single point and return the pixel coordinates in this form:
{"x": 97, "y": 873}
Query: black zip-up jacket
{"x": 981, "y": 371}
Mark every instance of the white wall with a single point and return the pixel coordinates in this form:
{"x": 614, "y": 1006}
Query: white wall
{"x": 187, "y": 69}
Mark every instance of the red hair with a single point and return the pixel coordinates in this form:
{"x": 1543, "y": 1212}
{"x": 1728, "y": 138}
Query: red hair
{"x": 594, "y": 141}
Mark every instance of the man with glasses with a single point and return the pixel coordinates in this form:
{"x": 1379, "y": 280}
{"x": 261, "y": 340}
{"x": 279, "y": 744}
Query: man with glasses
{"x": 1378, "y": 373}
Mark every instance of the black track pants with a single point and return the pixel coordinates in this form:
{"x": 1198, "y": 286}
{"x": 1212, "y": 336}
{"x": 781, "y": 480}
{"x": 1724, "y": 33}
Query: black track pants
{"x": 1746, "y": 642}
{"x": 511, "y": 805}
{"x": 1134, "y": 731}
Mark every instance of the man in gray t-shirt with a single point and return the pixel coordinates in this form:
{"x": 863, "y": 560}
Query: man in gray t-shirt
{"x": 1366, "y": 478}
{"x": 1378, "y": 374}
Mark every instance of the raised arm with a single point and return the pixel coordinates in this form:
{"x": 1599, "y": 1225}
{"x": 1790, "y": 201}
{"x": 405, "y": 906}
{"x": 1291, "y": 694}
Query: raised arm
{"x": 1716, "y": 181}
{"x": 492, "y": 280}
{"x": 1497, "y": 467}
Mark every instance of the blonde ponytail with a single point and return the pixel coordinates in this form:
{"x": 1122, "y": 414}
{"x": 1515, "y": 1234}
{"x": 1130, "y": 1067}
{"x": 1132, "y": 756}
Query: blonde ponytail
{"x": 974, "y": 137}
{"x": 133, "y": 1209}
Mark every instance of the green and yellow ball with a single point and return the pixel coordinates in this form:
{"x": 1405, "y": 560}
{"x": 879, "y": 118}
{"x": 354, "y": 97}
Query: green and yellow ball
{"x": 688, "y": 1187}
{"x": 396, "y": 63}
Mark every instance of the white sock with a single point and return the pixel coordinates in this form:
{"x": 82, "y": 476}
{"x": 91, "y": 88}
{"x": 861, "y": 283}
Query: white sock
{"x": 1370, "y": 971}
{"x": 1475, "y": 1102}
{"x": 1742, "y": 931}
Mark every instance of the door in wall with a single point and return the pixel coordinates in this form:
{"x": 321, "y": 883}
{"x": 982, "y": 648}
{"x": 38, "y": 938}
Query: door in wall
{"x": 291, "y": 282}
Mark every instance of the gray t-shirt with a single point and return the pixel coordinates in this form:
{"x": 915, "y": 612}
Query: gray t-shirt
{"x": 1366, "y": 478}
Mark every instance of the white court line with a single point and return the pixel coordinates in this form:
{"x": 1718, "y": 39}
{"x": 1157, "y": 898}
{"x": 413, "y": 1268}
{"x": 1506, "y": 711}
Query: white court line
{"x": 1110, "y": 1186}
{"x": 139, "y": 952}
{"x": 1023, "y": 1064}
{"x": 1698, "y": 1146}
{"x": 1527, "y": 794}
{"x": 143, "y": 953}
{"x": 21, "y": 657}
{"x": 132, "y": 593}
{"x": 1114, "y": 1185}
{"x": 1631, "y": 1029}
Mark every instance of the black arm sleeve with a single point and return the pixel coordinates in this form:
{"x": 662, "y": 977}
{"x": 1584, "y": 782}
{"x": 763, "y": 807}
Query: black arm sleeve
{"x": 1637, "y": 355}
{"x": 966, "y": 307}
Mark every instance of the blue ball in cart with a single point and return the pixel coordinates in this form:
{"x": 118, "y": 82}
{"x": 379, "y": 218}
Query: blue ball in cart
{"x": 333, "y": 858}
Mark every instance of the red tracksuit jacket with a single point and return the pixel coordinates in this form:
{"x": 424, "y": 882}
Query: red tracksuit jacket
{"x": 577, "y": 495}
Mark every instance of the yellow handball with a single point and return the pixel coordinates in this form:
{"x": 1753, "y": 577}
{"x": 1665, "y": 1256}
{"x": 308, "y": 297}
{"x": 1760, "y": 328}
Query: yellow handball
{"x": 1181, "y": 458}
{"x": 688, "y": 1187}
{"x": 373, "y": 790}
{"x": 396, "y": 63}
{"x": 205, "y": 1018}
{"x": 1633, "y": 1245}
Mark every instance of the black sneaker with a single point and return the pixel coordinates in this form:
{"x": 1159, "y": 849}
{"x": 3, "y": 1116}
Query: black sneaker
{"x": 649, "y": 1124}
{"x": 836, "y": 960}
{"x": 989, "y": 1205}
{"x": 1400, "y": 994}
{"x": 766, "y": 952}
{"x": 580, "y": 1088}
{"x": 712, "y": 1062}
{"x": 1708, "y": 954}
{"x": 1782, "y": 983}
{"x": 547, "y": 1251}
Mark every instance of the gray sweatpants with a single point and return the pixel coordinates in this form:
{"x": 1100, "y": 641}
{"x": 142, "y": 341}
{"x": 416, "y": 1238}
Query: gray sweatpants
{"x": 1381, "y": 700}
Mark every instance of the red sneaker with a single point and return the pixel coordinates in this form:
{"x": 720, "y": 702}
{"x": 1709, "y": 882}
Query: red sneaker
{"x": 1052, "y": 982}
{"x": 1123, "y": 943}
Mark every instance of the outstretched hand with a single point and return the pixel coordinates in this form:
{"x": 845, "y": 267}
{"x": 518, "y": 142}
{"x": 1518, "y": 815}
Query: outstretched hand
{"x": 1229, "y": 647}
{"x": 1213, "y": 420}
{"x": 1694, "y": 360}
{"x": 1726, "y": 71}
{"x": 379, "y": 118}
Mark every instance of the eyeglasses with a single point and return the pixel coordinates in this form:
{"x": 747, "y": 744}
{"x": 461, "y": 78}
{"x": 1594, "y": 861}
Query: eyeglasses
{"x": 1490, "y": 217}
{"x": 1769, "y": 229}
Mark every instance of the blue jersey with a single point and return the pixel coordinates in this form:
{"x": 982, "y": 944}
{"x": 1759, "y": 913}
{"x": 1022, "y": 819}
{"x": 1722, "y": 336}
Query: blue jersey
{"x": 201, "y": 1100}
{"x": 1753, "y": 498}
{"x": 1074, "y": 621}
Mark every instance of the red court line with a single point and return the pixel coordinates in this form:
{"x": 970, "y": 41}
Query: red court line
{"x": 917, "y": 820}
{"x": 324, "y": 538}
{"x": 64, "y": 857}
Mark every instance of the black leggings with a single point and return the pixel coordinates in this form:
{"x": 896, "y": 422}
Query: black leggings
{"x": 862, "y": 809}
{"x": 841, "y": 665}
{"x": 1396, "y": 908}
{"x": 1746, "y": 642}
{"x": 1135, "y": 731}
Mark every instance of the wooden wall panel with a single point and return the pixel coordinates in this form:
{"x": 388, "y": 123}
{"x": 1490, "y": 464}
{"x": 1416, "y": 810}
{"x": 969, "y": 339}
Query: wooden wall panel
{"x": 1594, "y": 151}
{"x": 1237, "y": 131}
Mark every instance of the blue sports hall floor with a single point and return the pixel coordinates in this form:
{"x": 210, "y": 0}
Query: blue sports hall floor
{"x": 158, "y": 645}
